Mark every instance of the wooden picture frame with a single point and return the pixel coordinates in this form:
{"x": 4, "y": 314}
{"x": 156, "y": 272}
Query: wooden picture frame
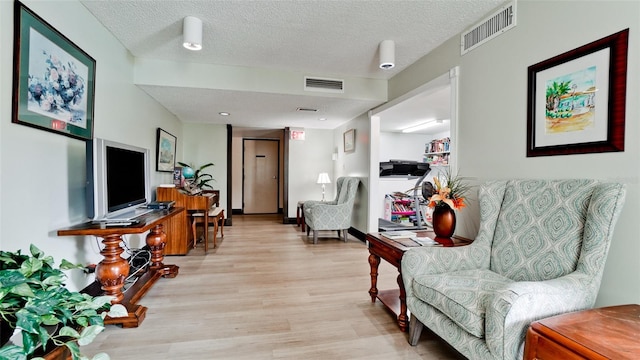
{"x": 53, "y": 79}
{"x": 576, "y": 100}
{"x": 349, "y": 138}
{"x": 165, "y": 151}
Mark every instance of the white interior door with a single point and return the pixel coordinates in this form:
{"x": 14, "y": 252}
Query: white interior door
{"x": 260, "y": 182}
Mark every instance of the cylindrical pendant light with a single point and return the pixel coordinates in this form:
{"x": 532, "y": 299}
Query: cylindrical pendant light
{"x": 192, "y": 33}
{"x": 387, "y": 55}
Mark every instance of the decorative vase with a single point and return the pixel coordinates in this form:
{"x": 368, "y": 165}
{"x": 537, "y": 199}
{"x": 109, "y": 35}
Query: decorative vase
{"x": 444, "y": 221}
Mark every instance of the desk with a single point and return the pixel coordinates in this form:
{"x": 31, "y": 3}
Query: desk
{"x": 113, "y": 269}
{"x": 181, "y": 239}
{"x": 392, "y": 252}
{"x": 603, "y": 333}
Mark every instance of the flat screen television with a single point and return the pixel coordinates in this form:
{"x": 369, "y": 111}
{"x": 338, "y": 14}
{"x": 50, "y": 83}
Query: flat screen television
{"x": 117, "y": 179}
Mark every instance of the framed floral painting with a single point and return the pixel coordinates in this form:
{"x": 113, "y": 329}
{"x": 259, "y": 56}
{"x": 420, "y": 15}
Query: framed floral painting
{"x": 54, "y": 80}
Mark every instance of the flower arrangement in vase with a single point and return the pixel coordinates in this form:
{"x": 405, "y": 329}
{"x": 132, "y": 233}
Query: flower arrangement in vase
{"x": 449, "y": 195}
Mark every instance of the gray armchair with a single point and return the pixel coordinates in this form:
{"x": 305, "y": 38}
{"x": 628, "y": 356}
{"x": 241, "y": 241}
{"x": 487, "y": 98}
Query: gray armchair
{"x": 332, "y": 215}
{"x": 540, "y": 251}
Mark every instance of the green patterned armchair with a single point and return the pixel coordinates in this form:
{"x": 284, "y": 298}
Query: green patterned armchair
{"x": 332, "y": 215}
{"x": 540, "y": 251}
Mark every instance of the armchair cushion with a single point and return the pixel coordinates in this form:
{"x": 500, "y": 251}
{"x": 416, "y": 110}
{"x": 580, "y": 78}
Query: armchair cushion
{"x": 461, "y": 295}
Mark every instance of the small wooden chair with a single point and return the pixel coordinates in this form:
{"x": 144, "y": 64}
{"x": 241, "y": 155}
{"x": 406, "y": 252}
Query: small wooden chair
{"x": 215, "y": 216}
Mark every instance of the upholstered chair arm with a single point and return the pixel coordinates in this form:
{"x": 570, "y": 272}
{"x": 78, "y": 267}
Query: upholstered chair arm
{"x": 512, "y": 309}
{"x": 436, "y": 260}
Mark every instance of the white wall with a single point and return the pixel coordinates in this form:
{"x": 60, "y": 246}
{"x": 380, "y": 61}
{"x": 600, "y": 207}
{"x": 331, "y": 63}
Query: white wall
{"x": 399, "y": 146}
{"x": 308, "y": 158}
{"x": 492, "y": 119}
{"x": 41, "y": 173}
{"x": 207, "y": 143}
{"x": 356, "y": 164}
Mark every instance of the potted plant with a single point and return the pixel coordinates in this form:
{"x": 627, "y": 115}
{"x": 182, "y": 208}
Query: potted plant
{"x": 448, "y": 195}
{"x": 196, "y": 179}
{"x": 34, "y": 300}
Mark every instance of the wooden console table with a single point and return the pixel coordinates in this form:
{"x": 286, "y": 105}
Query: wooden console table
{"x": 112, "y": 271}
{"x": 392, "y": 252}
{"x": 598, "y": 334}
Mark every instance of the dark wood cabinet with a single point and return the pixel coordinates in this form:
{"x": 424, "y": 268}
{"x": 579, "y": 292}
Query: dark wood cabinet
{"x": 598, "y": 334}
{"x": 178, "y": 228}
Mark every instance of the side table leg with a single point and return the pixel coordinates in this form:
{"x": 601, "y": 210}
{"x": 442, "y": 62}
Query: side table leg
{"x": 156, "y": 240}
{"x": 374, "y": 261}
{"x": 403, "y": 320}
{"x": 113, "y": 269}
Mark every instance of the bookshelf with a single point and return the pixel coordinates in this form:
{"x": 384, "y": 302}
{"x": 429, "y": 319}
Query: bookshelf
{"x": 399, "y": 208}
{"x": 437, "y": 152}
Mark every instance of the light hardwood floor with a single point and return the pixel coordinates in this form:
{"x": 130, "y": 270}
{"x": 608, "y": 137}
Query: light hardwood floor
{"x": 267, "y": 292}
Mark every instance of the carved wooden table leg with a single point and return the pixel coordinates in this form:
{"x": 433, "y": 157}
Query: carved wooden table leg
{"x": 403, "y": 320}
{"x": 113, "y": 269}
{"x": 374, "y": 262}
{"x": 156, "y": 240}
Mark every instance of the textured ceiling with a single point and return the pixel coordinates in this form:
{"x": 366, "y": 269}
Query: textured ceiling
{"x": 321, "y": 38}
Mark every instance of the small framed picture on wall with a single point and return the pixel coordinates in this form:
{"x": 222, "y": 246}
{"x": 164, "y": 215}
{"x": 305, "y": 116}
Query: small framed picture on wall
{"x": 349, "y": 140}
{"x": 165, "y": 151}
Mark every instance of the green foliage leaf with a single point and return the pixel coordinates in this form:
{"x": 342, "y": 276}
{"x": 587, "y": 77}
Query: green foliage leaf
{"x": 49, "y": 319}
{"x": 74, "y": 348}
{"x": 101, "y": 356}
{"x": 23, "y": 290}
{"x": 37, "y": 253}
{"x": 54, "y": 280}
{"x": 89, "y": 334}
{"x": 69, "y": 331}
{"x": 31, "y": 266}
{"x": 27, "y": 321}
{"x": 82, "y": 321}
{"x": 101, "y": 301}
{"x": 118, "y": 310}
{"x": 66, "y": 265}
{"x": 12, "y": 352}
{"x": 29, "y": 342}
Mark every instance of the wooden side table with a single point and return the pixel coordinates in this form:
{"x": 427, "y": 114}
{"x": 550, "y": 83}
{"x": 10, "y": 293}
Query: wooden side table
{"x": 392, "y": 251}
{"x": 603, "y": 333}
{"x": 300, "y": 216}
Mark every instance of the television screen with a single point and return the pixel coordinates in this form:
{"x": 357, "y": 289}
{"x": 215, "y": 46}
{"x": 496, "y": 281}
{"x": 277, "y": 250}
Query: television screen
{"x": 125, "y": 178}
{"x": 117, "y": 179}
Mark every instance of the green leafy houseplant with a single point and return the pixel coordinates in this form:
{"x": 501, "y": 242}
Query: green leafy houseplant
{"x": 200, "y": 179}
{"x": 33, "y": 299}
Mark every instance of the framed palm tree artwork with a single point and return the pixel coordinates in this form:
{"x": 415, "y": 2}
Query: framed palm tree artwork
{"x": 576, "y": 100}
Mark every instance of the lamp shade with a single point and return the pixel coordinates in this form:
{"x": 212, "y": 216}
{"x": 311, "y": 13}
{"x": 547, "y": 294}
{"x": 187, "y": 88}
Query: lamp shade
{"x": 323, "y": 178}
{"x": 192, "y": 33}
{"x": 387, "y": 54}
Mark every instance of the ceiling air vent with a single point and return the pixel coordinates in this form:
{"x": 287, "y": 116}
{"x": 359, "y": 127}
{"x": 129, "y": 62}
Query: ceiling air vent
{"x": 493, "y": 25}
{"x": 306, "y": 109}
{"x": 323, "y": 85}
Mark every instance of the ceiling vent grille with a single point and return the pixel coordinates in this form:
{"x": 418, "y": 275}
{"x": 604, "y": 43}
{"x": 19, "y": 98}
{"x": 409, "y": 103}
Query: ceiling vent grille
{"x": 495, "y": 24}
{"x": 323, "y": 85}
